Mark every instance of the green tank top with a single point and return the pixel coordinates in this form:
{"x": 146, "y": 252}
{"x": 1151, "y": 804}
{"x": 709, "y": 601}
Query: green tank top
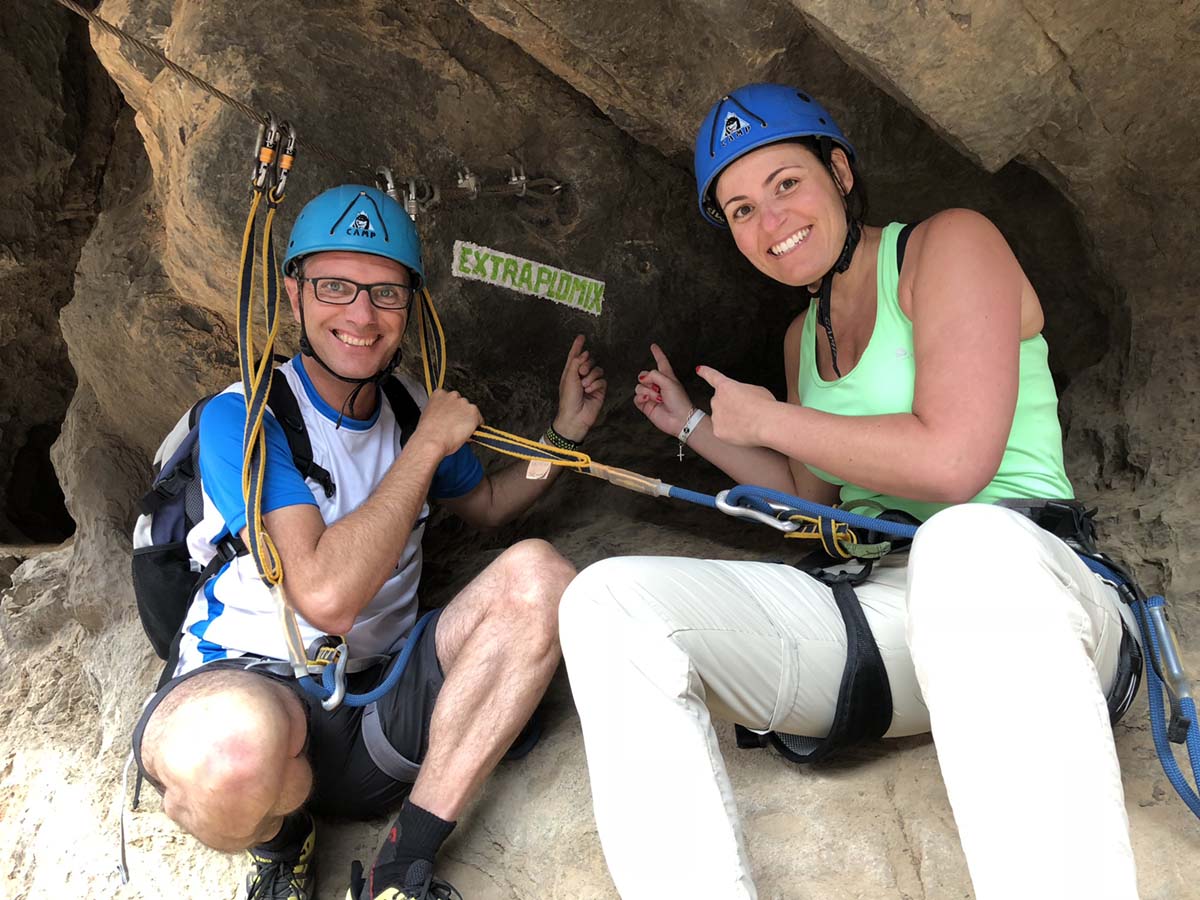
{"x": 882, "y": 384}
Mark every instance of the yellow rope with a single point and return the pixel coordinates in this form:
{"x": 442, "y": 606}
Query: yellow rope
{"x": 429, "y": 327}
{"x": 272, "y": 566}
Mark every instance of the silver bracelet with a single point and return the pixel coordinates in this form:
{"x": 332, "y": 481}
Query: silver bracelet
{"x": 693, "y": 420}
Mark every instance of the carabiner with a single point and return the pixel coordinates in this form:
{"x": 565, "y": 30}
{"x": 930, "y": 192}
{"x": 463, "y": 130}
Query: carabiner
{"x": 264, "y": 152}
{"x": 339, "y": 680}
{"x": 287, "y": 157}
{"x": 741, "y": 512}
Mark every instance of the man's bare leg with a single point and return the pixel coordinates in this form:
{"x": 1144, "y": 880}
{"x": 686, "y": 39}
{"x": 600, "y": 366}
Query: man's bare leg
{"x": 227, "y": 747}
{"x": 497, "y": 642}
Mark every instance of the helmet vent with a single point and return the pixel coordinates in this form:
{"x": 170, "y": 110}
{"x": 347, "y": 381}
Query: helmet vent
{"x": 803, "y": 97}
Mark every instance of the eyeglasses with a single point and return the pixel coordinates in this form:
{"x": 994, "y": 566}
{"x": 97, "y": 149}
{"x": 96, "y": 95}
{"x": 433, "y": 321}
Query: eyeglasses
{"x": 343, "y": 292}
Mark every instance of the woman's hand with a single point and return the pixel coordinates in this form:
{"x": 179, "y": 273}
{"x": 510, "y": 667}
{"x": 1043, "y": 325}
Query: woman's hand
{"x": 581, "y": 391}
{"x": 661, "y": 397}
{"x": 738, "y": 410}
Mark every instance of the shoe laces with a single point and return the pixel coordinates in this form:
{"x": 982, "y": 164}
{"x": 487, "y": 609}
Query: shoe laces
{"x": 274, "y": 879}
{"x": 415, "y": 881}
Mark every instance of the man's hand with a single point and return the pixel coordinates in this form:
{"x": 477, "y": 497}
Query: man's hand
{"x": 581, "y": 391}
{"x": 738, "y": 410}
{"x": 661, "y": 397}
{"x": 447, "y": 421}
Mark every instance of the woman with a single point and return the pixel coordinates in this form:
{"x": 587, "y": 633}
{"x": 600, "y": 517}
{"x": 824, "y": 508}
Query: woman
{"x": 917, "y": 380}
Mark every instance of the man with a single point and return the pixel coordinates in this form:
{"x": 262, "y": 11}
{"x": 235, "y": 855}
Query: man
{"x": 241, "y": 755}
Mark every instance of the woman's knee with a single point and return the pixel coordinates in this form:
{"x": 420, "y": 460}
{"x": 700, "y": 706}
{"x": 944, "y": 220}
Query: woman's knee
{"x": 973, "y": 532}
{"x": 601, "y": 592}
{"x": 969, "y": 553}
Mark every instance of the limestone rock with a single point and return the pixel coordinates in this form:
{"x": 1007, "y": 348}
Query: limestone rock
{"x": 1066, "y": 123}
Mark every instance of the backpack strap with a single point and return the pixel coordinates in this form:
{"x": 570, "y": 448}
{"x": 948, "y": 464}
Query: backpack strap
{"x": 227, "y": 550}
{"x": 179, "y": 466}
{"x": 287, "y": 412}
{"x": 404, "y": 407}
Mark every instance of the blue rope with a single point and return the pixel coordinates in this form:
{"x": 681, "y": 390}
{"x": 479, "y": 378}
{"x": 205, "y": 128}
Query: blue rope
{"x": 1158, "y": 722}
{"x": 757, "y": 498}
{"x": 692, "y": 496}
{"x": 324, "y": 689}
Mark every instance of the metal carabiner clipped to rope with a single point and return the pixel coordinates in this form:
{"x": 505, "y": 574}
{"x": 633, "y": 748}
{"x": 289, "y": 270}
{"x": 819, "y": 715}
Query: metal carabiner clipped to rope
{"x": 742, "y": 512}
{"x": 338, "y": 692}
{"x": 266, "y": 147}
{"x": 283, "y": 166}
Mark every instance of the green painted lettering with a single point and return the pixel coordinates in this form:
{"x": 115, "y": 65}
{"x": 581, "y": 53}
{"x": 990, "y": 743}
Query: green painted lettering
{"x": 578, "y": 291}
{"x": 526, "y": 279}
{"x": 510, "y": 272}
{"x": 597, "y": 296}
{"x": 543, "y": 275}
{"x": 480, "y": 264}
{"x": 463, "y": 258}
{"x": 562, "y": 290}
{"x": 496, "y": 261}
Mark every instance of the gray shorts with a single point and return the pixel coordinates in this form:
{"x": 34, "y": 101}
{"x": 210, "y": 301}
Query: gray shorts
{"x": 364, "y": 759}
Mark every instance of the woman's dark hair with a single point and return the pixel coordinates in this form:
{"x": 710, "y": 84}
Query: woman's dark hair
{"x": 856, "y": 197}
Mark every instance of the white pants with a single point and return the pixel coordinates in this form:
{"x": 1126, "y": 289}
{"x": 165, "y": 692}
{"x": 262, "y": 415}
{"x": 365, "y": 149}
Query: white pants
{"x": 995, "y": 626}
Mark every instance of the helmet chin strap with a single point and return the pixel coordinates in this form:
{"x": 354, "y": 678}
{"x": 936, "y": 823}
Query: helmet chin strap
{"x": 853, "y": 235}
{"x": 306, "y": 349}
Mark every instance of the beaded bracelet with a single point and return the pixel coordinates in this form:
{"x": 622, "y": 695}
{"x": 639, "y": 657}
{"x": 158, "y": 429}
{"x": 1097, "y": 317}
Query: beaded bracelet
{"x": 554, "y": 439}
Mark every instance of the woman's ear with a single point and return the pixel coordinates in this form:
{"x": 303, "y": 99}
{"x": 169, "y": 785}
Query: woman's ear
{"x": 843, "y": 173}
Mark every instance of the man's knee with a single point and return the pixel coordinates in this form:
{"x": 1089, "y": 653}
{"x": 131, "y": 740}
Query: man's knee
{"x": 537, "y": 574}
{"x": 228, "y": 754}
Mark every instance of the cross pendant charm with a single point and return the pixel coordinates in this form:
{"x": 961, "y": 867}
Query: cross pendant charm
{"x": 681, "y": 451}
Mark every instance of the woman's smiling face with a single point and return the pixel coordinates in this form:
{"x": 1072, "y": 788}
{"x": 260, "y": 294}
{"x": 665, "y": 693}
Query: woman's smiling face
{"x": 786, "y": 211}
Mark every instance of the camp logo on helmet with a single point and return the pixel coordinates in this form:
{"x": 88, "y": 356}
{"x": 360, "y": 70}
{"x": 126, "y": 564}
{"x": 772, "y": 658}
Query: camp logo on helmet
{"x": 734, "y": 128}
{"x": 361, "y": 226}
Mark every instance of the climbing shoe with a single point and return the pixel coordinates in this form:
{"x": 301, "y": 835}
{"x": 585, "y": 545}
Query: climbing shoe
{"x": 402, "y": 869}
{"x": 386, "y": 881}
{"x": 286, "y": 874}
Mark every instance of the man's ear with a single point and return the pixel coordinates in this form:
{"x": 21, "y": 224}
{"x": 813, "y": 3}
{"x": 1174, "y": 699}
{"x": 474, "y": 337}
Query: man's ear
{"x": 843, "y": 174}
{"x": 292, "y": 286}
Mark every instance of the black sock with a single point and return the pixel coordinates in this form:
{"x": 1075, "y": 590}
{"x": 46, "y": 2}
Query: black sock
{"x": 419, "y": 834}
{"x": 291, "y": 834}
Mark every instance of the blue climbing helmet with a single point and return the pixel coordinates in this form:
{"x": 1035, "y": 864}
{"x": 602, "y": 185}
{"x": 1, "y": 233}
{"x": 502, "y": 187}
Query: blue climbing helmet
{"x": 360, "y": 219}
{"x": 754, "y": 116}
{"x": 750, "y": 117}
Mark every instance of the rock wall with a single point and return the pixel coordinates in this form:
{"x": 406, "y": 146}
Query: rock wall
{"x": 59, "y": 129}
{"x": 127, "y": 199}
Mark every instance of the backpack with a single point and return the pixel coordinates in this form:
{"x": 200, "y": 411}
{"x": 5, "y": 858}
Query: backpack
{"x": 165, "y": 577}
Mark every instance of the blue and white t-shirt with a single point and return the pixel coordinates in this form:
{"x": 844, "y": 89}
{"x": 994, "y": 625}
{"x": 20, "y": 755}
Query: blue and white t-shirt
{"x": 234, "y": 613}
